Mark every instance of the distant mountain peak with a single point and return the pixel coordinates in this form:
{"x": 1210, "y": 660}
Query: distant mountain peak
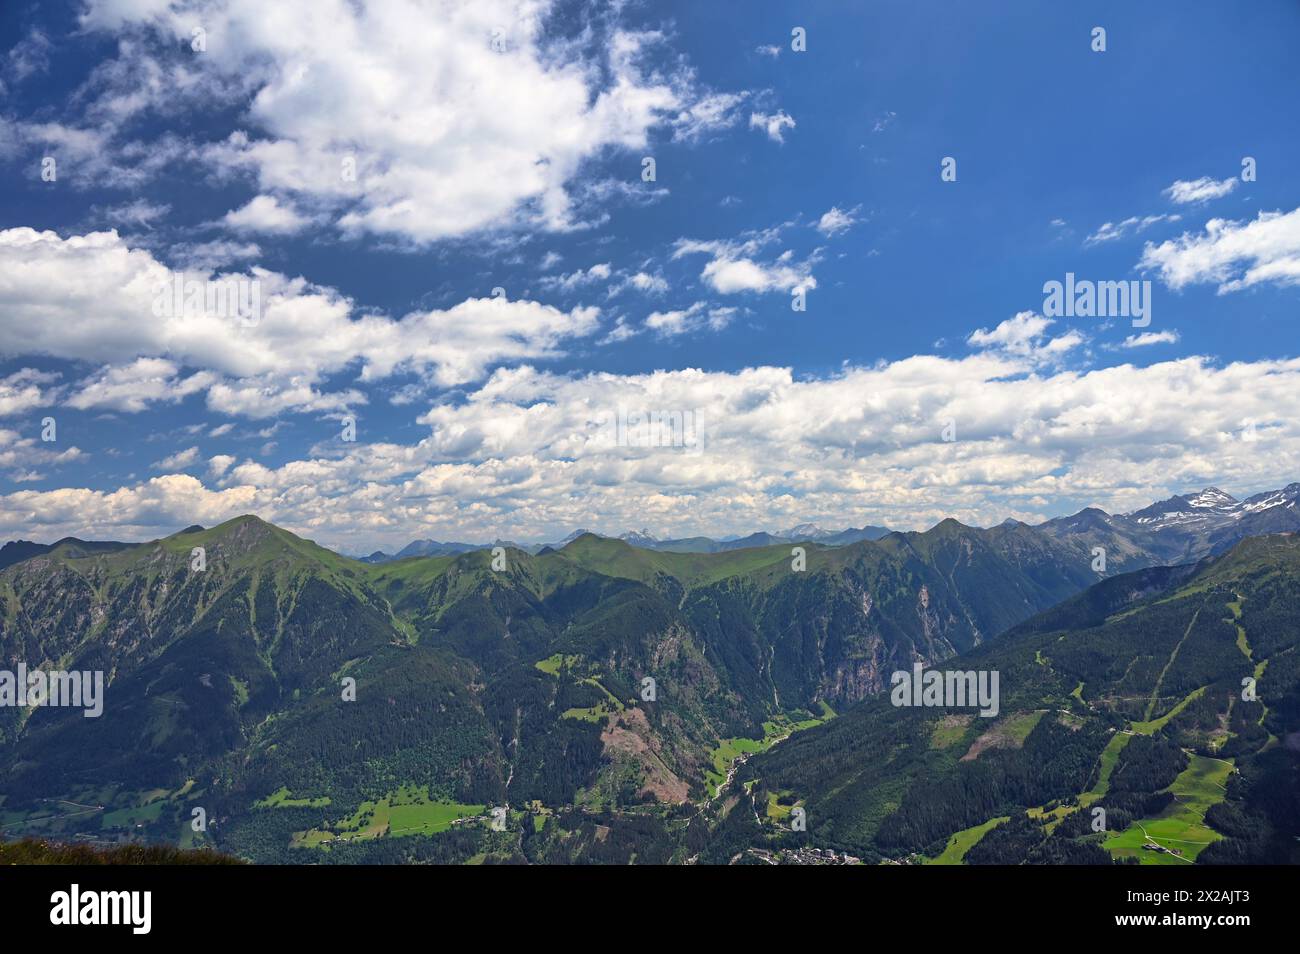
{"x": 637, "y": 538}
{"x": 805, "y": 531}
{"x": 584, "y": 537}
{"x": 247, "y": 519}
{"x": 246, "y": 528}
{"x": 1212, "y": 497}
{"x": 950, "y": 524}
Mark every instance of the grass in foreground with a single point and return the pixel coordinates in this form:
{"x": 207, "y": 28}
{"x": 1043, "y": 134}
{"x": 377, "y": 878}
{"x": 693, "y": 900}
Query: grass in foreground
{"x": 35, "y": 851}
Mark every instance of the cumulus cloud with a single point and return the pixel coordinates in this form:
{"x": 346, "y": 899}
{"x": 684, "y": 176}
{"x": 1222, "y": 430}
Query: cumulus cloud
{"x": 19, "y": 456}
{"x": 133, "y": 387}
{"x": 265, "y": 214}
{"x": 219, "y": 464}
{"x": 1233, "y": 255}
{"x": 530, "y": 452}
{"x": 178, "y": 461}
{"x": 728, "y": 276}
{"x": 93, "y": 298}
{"x": 419, "y": 120}
{"x": 136, "y": 512}
{"x": 734, "y": 266}
{"x": 1025, "y": 335}
{"x": 24, "y": 390}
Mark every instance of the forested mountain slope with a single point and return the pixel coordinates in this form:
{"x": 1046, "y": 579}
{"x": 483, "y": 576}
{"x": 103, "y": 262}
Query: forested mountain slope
{"x": 1127, "y": 698}
{"x": 317, "y": 707}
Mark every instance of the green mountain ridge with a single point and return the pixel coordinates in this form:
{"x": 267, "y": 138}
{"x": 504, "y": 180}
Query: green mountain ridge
{"x": 520, "y": 685}
{"x": 1157, "y": 656}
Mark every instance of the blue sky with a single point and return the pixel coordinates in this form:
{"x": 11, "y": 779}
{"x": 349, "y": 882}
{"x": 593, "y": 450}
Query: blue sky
{"x": 500, "y": 145}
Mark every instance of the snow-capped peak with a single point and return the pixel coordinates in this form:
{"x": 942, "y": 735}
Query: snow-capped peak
{"x": 1212, "y": 497}
{"x": 805, "y": 531}
{"x": 638, "y": 537}
{"x": 1287, "y": 496}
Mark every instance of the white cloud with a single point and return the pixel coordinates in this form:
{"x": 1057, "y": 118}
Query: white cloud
{"x": 643, "y": 282}
{"x": 768, "y": 50}
{"x": 20, "y": 455}
{"x": 139, "y": 213}
{"x": 774, "y": 124}
{"x": 22, "y": 391}
{"x": 460, "y": 117}
{"x": 29, "y": 56}
{"x": 698, "y": 316}
{"x": 529, "y": 452}
{"x": 214, "y": 255}
{"x": 1204, "y": 189}
{"x": 92, "y": 156}
{"x": 729, "y": 276}
{"x": 707, "y": 115}
{"x": 1148, "y": 338}
{"x": 599, "y": 272}
{"x": 266, "y": 214}
{"x": 674, "y": 322}
{"x": 1233, "y": 255}
{"x": 1024, "y": 335}
{"x": 135, "y": 512}
{"x": 721, "y": 316}
{"x": 733, "y": 266}
{"x": 650, "y": 284}
{"x": 219, "y": 464}
{"x": 836, "y": 220}
{"x": 1110, "y": 231}
{"x": 178, "y": 461}
{"x": 622, "y": 331}
{"x": 133, "y": 387}
{"x": 92, "y": 298}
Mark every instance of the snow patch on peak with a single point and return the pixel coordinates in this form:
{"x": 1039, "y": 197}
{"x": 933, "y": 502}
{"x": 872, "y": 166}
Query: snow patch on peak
{"x": 640, "y": 537}
{"x": 804, "y": 531}
{"x": 1212, "y": 497}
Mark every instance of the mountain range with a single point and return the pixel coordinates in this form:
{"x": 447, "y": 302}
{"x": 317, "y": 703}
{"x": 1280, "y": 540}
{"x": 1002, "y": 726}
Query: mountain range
{"x": 1183, "y": 526}
{"x": 618, "y": 702}
{"x": 645, "y": 540}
